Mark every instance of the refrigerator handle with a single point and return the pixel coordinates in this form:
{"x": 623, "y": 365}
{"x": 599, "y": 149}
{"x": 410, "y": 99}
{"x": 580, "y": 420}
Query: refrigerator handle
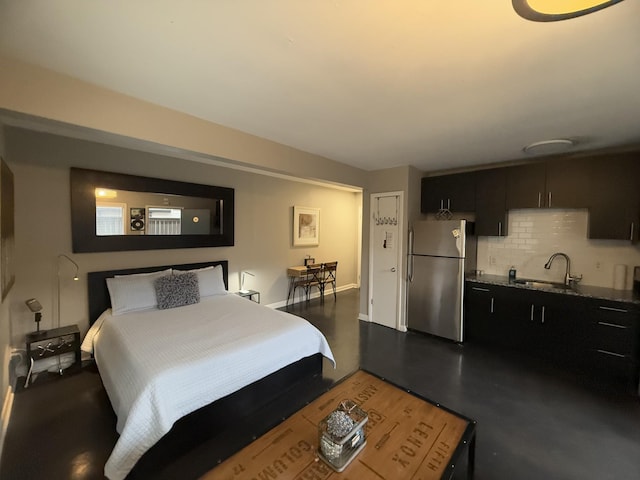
{"x": 410, "y": 266}
{"x": 411, "y": 241}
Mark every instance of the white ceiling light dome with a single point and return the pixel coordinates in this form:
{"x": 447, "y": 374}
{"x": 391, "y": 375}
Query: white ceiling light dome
{"x": 555, "y": 145}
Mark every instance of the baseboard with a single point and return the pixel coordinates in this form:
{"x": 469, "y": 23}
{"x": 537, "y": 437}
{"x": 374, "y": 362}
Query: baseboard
{"x": 342, "y": 288}
{"x": 363, "y": 316}
{"x": 4, "y": 417}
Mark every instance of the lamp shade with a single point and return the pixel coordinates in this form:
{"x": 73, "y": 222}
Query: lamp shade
{"x": 242, "y": 278}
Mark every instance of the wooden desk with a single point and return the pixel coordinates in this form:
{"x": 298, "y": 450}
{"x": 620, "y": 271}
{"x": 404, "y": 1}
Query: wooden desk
{"x": 408, "y": 437}
{"x": 297, "y": 271}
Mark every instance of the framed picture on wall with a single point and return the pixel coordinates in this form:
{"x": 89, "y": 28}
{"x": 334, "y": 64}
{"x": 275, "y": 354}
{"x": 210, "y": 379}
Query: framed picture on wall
{"x": 306, "y": 226}
{"x": 7, "y": 239}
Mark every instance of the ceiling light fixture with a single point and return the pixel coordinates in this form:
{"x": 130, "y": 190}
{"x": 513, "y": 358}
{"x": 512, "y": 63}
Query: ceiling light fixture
{"x": 555, "y": 145}
{"x": 554, "y": 10}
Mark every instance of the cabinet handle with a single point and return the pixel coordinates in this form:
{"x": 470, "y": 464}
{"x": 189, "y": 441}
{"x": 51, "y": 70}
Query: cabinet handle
{"x": 448, "y": 204}
{"x": 480, "y": 289}
{"x": 543, "y": 314}
{"x": 491, "y": 304}
{"x": 613, "y": 354}
{"x": 539, "y": 199}
{"x": 614, "y": 325}
{"x": 611, "y": 309}
{"x": 631, "y": 237}
{"x": 532, "y": 312}
{"x": 441, "y": 204}
{"x": 549, "y": 199}
{"x": 499, "y": 229}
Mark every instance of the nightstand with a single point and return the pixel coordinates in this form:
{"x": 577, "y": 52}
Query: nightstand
{"x": 50, "y": 343}
{"x": 251, "y": 295}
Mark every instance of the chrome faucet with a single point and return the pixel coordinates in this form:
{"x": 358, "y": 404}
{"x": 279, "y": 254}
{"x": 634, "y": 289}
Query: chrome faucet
{"x": 567, "y": 275}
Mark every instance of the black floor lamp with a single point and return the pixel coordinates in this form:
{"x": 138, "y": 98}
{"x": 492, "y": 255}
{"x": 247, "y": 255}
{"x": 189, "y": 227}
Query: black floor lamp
{"x": 75, "y": 278}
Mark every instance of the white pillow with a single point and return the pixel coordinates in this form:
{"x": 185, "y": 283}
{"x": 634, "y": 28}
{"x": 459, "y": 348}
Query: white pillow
{"x": 133, "y": 292}
{"x": 210, "y": 280}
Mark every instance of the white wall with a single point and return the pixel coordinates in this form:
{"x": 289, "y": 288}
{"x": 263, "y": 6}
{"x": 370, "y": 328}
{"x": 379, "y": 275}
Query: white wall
{"x": 263, "y": 224}
{"x": 534, "y": 235}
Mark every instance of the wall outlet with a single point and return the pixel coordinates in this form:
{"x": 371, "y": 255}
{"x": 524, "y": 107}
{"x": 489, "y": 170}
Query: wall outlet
{"x": 598, "y": 265}
{"x": 492, "y": 260}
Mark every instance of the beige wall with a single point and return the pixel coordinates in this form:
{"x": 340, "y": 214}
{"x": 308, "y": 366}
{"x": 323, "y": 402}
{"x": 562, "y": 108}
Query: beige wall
{"x": 263, "y": 218}
{"x": 40, "y": 93}
{"x": 399, "y": 179}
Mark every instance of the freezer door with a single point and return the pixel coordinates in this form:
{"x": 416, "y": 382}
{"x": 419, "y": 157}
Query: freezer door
{"x": 444, "y": 238}
{"x": 435, "y": 296}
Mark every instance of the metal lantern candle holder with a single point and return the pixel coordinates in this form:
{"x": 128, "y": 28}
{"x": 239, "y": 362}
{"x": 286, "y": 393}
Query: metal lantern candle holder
{"x": 342, "y": 435}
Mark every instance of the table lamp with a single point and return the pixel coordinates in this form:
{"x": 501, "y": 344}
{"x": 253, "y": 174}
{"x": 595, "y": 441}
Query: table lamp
{"x": 242, "y": 276}
{"x": 35, "y": 307}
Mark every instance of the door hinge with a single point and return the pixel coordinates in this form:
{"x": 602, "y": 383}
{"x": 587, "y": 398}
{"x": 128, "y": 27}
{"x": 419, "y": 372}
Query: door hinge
{"x": 372, "y": 301}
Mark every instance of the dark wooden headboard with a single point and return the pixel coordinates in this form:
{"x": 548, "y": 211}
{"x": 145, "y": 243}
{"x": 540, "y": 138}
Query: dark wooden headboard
{"x": 99, "y": 299}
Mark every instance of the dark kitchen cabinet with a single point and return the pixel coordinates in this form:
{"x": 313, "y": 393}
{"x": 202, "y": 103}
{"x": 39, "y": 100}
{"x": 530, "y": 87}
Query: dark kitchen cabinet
{"x": 608, "y": 185}
{"x": 453, "y": 192}
{"x": 491, "y": 197}
{"x": 556, "y": 328}
{"x": 490, "y": 315}
{"x": 555, "y": 183}
{"x": 614, "y": 341}
{"x": 540, "y": 323}
{"x": 526, "y": 186}
{"x": 614, "y": 206}
{"x": 596, "y": 338}
{"x": 567, "y": 183}
{"x": 481, "y": 321}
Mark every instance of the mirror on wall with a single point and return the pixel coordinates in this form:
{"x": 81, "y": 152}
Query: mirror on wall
{"x": 112, "y": 211}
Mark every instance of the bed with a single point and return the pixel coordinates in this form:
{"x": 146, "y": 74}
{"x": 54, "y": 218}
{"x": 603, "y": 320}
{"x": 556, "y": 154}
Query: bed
{"x": 160, "y": 364}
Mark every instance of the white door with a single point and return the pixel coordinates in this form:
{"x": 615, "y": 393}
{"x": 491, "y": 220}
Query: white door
{"x": 385, "y": 247}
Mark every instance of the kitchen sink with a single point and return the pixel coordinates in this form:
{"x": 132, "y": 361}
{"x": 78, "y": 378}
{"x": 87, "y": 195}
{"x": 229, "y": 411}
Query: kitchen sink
{"x": 542, "y": 284}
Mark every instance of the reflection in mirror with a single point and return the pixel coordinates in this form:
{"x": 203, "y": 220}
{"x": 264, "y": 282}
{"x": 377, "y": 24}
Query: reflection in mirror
{"x": 112, "y": 211}
{"x": 122, "y": 212}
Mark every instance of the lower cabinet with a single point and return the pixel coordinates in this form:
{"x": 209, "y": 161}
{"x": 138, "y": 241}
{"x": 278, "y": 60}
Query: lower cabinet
{"x": 596, "y": 337}
{"x": 614, "y": 343}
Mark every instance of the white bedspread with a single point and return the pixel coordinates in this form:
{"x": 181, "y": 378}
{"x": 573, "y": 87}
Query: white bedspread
{"x": 159, "y": 365}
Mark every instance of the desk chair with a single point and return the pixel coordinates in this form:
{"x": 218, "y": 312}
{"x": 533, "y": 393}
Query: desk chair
{"x": 329, "y": 272}
{"x": 311, "y": 279}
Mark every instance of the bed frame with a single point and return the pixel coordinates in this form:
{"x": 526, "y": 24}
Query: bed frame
{"x": 222, "y": 413}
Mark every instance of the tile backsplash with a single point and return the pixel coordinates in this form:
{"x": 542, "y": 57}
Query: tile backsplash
{"x": 534, "y": 235}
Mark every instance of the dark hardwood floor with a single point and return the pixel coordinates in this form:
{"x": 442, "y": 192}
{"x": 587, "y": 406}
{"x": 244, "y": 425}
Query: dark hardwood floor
{"x": 534, "y": 421}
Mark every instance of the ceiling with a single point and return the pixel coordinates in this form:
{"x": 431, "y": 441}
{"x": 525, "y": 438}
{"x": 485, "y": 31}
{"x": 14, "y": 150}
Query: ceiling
{"x": 373, "y": 84}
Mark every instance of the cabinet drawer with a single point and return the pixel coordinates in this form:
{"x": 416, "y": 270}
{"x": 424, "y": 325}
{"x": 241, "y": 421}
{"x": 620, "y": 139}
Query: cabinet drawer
{"x": 611, "y": 364}
{"x": 55, "y": 346}
{"x": 614, "y": 337}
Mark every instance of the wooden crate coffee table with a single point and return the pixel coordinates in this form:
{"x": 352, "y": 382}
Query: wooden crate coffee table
{"x": 408, "y": 437}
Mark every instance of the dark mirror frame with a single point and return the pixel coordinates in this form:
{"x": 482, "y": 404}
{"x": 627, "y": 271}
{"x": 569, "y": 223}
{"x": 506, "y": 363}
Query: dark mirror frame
{"x": 83, "y": 212}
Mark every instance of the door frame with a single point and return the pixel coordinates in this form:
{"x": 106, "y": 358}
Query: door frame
{"x": 400, "y": 274}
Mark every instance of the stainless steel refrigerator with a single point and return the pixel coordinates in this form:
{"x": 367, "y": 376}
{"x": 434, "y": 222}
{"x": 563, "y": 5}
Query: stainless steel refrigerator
{"x": 440, "y": 252}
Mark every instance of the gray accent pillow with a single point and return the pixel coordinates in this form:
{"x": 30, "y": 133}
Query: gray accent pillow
{"x": 177, "y": 290}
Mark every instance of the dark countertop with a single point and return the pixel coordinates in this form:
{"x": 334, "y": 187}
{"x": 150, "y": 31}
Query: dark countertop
{"x": 626, "y": 296}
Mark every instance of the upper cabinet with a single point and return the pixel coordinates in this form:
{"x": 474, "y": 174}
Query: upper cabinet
{"x": 567, "y": 183}
{"x": 525, "y": 186}
{"x": 614, "y": 207}
{"x": 491, "y": 196}
{"x": 456, "y": 193}
{"x": 607, "y": 184}
{"x": 556, "y": 183}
